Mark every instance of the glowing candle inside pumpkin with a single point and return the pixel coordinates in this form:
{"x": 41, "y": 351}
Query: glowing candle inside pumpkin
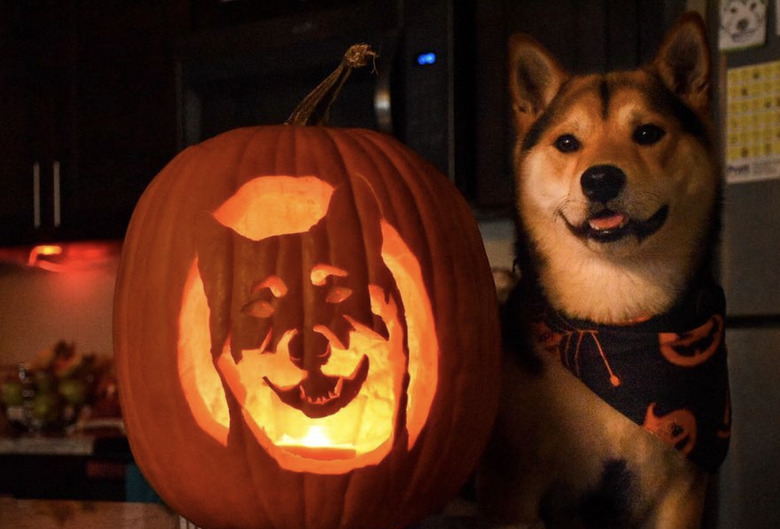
{"x": 316, "y": 444}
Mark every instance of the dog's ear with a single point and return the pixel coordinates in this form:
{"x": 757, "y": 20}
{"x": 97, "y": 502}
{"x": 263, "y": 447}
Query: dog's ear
{"x": 683, "y": 62}
{"x": 535, "y": 77}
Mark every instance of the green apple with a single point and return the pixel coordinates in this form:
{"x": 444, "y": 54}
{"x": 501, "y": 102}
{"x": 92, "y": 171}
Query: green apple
{"x": 73, "y": 390}
{"x": 46, "y": 407}
{"x": 11, "y": 393}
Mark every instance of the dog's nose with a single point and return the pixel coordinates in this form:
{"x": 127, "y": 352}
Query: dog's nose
{"x": 601, "y": 183}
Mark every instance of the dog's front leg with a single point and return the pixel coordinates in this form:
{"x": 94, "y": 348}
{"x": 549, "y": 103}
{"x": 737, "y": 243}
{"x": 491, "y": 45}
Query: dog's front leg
{"x": 682, "y": 504}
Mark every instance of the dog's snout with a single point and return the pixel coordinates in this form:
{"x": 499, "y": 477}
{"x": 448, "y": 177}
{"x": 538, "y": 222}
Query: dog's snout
{"x": 601, "y": 183}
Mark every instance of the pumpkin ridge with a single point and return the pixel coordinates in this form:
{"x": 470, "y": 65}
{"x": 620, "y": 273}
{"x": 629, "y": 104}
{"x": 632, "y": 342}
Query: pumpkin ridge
{"x": 412, "y": 178}
{"x": 366, "y": 227}
{"x": 150, "y": 466}
{"x": 399, "y": 180}
{"x": 417, "y": 219}
{"x": 312, "y": 488}
{"x": 126, "y": 391}
{"x": 233, "y": 157}
{"x": 347, "y": 186}
{"x": 152, "y": 209}
{"x": 459, "y": 276}
{"x": 381, "y": 189}
{"x": 372, "y": 155}
{"x": 170, "y": 238}
{"x": 424, "y": 226}
{"x": 344, "y": 146}
{"x": 237, "y": 429}
{"x": 324, "y": 150}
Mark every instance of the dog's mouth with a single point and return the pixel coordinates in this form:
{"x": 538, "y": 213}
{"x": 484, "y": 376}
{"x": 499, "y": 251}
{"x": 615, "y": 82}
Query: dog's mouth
{"x": 608, "y": 225}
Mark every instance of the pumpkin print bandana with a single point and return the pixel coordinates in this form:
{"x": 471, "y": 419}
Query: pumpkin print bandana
{"x": 667, "y": 374}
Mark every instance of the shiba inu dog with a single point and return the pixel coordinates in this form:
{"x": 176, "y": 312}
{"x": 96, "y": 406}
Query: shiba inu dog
{"x": 615, "y": 402}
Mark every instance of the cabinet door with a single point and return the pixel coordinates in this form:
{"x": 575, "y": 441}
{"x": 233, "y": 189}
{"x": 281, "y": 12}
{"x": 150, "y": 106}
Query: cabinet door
{"x": 87, "y": 114}
{"x": 16, "y": 130}
{"x": 123, "y": 128}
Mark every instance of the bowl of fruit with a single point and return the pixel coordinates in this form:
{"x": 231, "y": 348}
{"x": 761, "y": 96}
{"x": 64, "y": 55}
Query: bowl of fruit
{"x": 52, "y": 392}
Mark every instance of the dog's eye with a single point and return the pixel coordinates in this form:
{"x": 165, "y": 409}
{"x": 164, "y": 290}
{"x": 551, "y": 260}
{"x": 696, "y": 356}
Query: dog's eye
{"x": 259, "y": 309}
{"x": 648, "y": 134}
{"x": 567, "y": 143}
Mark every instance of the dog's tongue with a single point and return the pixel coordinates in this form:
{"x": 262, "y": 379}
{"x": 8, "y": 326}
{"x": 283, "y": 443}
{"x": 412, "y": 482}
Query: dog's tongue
{"x": 608, "y": 221}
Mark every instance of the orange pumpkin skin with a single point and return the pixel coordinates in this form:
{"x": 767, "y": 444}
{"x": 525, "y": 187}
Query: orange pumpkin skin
{"x": 235, "y": 473}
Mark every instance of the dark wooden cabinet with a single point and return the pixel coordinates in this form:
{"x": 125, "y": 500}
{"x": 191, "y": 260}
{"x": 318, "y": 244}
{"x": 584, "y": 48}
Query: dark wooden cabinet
{"x": 16, "y": 128}
{"x": 88, "y": 90}
{"x": 62, "y": 477}
{"x": 49, "y": 472}
{"x": 124, "y": 109}
{"x": 88, "y": 114}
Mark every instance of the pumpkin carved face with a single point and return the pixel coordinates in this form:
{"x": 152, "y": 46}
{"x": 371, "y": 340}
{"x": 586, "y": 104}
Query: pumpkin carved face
{"x": 306, "y": 332}
{"x": 334, "y": 365}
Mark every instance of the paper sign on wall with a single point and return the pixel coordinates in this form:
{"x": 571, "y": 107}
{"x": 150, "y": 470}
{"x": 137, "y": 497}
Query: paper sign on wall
{"x": 753, "y": 122}
{"x": 742, "y": 24}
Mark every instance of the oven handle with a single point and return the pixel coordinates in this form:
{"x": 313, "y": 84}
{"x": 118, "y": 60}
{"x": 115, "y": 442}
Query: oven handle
{"x": 383, "y": 96}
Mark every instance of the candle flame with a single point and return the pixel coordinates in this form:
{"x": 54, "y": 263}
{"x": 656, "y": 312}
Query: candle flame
{"x": 316, "y": 436}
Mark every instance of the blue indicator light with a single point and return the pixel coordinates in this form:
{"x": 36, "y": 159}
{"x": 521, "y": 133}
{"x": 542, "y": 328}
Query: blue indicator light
{"x": 426, "y": 59}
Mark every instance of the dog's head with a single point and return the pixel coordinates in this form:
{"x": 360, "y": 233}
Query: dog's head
{"x": 616, "y": 177}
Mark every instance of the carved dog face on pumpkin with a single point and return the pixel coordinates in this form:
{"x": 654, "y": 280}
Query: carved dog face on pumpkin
{"x": 317, "y": 323}
{"x": 301, "y": 296}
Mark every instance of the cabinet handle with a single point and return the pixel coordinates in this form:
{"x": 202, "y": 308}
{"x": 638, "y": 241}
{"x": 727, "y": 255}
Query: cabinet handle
{"x": 55, "y": 176}
{"x": 37, "y": 195}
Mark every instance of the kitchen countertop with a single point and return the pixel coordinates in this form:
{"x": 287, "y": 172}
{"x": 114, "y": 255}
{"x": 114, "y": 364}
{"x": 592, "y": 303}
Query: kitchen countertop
{"x": 51, "y": 514}
{"x": 78, "y": 445}
{"x": 46, "y": 514}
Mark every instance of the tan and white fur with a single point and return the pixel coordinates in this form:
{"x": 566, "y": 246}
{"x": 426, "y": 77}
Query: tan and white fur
{"x": 608, "y": 256}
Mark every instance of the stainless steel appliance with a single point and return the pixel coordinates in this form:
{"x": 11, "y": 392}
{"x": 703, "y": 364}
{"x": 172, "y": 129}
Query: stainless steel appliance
{"x": 251, "y": 63}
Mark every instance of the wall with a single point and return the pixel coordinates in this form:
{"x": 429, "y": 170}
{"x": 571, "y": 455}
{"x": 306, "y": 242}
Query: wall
{"x": 39, "y": 308}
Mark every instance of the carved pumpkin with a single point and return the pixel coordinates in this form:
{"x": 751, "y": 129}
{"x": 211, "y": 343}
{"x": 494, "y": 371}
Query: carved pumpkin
{"x": 306, "y": 332}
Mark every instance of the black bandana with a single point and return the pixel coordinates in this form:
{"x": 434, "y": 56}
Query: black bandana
{"x": 667, "y": 374}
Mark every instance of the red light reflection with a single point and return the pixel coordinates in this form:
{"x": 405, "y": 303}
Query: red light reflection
{"x": 42, "y": 251}
{"x": 73, "y": 256}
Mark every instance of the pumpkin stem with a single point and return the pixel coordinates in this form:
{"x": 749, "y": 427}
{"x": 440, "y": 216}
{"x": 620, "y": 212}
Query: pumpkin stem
{"x": 315, "y": 107}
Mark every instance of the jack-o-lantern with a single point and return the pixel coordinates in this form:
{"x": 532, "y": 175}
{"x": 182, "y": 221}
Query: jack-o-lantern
{"x": 306, "y": 332}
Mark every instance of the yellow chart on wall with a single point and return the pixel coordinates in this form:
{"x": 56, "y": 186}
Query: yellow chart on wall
{"x": 753, "y": 123}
